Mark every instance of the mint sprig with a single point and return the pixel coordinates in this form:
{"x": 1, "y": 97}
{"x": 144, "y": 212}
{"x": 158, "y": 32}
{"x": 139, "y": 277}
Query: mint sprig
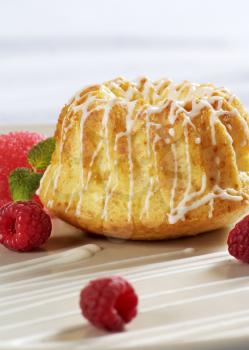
{"x": 24, "y": 182}
{"x": 39, "y": 156}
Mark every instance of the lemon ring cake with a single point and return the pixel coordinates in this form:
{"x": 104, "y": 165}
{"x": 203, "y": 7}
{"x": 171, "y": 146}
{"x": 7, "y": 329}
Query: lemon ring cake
{"x": 149, "y": 160}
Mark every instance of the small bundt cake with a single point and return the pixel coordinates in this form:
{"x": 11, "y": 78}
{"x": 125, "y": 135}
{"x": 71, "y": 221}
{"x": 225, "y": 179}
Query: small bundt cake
{"x": 149, "y": 160}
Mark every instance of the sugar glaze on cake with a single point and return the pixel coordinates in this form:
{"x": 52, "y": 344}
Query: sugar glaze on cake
{"x": 149, "y": 160}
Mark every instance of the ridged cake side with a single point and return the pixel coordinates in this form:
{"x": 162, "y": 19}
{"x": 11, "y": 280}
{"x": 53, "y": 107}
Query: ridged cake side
{"x": 149, "y": 160}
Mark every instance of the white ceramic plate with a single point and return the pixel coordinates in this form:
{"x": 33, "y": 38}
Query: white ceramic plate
{"x": 192, "y": 294}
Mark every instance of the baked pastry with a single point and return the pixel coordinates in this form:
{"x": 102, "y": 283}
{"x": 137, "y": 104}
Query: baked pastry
{"x": 149, "y": 160}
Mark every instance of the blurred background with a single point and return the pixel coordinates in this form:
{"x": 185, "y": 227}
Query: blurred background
{"x": 51, "y": 48}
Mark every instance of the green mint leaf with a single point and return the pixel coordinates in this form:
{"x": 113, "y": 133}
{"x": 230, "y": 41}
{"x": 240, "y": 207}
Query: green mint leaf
{"x": 23, "y": 183}
{"x": 39, "y": 156}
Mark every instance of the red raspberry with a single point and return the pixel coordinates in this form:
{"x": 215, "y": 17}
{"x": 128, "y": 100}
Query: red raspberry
{"x": 238, "y": 240}
{"x": 109, "y": 303}
{"x": 13, "y": 154}
{"x": 24, "y": 226}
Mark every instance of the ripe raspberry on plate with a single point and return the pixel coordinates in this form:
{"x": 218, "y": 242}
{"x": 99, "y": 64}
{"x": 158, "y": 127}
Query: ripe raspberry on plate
{"x": 238, "y": 240}
{"x": 109, "y": 303}
{"x": 14, "y": 148}
{"x": 24, "y": 226}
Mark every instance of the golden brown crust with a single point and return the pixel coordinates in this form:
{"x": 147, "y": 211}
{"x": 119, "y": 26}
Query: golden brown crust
{"x": 149, "y": 160}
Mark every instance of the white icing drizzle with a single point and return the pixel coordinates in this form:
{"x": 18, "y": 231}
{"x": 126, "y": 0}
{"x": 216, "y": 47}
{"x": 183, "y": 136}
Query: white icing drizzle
{"x": 64, "y": 131}
{"x": 146, "y": 89}
{"x": 151, "y": 110}
{"x": 84, "y": 186}
{"x": 188, "y": 162}
{"x": 172, "y": 132}
{"x": 210, "y": 208}
{"x": 108, "y": 184}
{"x": 94, "y": 156}
{"x": 182, "y": 210}
{"x": 197, "y": 140}
{"x": 70, "y": 201}
{"x": 129, "y": 125}
{"x": 187, "y": 196}
{"x": 231, "y": 98}
{"x": 217, "y": 160}
{"x": 147, "y": 120}
{"x": 147, "y": 198}
{"x": 175, "y": 179}
{"x": 245, "y": 125}
{"x": 83, "y": 119}
{"x": 158, "y": 96}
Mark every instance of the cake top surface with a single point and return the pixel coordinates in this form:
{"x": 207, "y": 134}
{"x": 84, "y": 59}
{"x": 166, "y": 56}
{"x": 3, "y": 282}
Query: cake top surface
{"x": 154, "y": 96}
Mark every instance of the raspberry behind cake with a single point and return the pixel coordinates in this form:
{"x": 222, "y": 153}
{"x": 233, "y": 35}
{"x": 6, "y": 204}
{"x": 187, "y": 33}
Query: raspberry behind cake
{"x": 14, "y": 148}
